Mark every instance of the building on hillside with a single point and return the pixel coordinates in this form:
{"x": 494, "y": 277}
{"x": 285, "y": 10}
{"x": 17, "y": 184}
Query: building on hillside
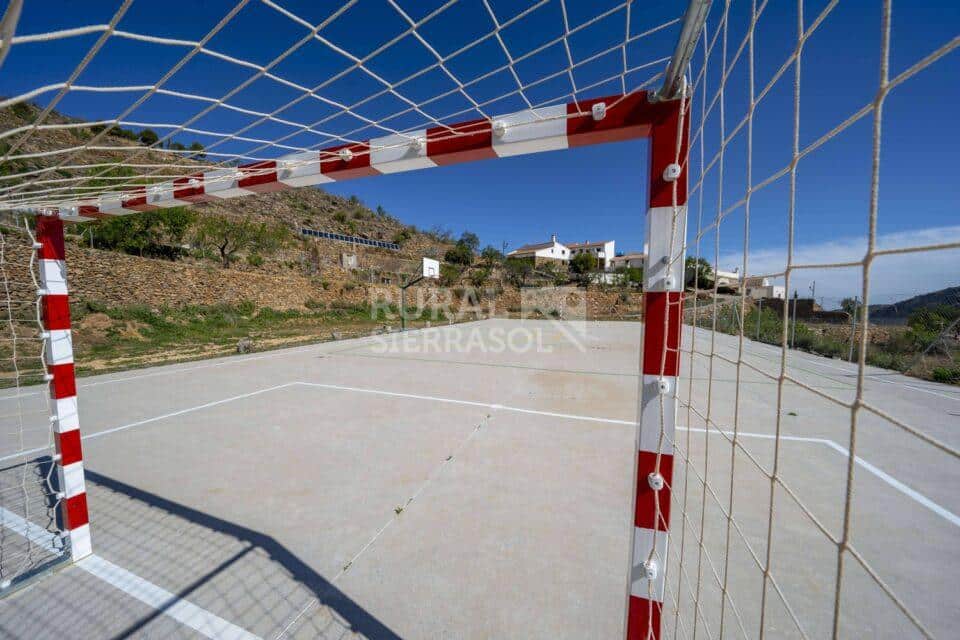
{"x": 628, "y": 260}
{"x": 543, "y": 252}
{"x": 727, "y": 280}
{"x": 767, "y": 292}
{"x": 759, "y": 288}
{"x": 603, "y": 251}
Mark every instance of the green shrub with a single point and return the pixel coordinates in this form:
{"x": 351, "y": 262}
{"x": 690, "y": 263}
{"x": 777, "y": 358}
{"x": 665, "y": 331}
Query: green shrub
{"x": 449, "y": 275}
{"x": 479, "y": 276}
{"x": 402, "y": 236}
{"x": 460, "y": 254}
{"x": 340, "y": 216}
{"x": 831, "y": 348}
{"x": 269, "y": 313}
{"x": 583, "y": 263}
{"x": 353, "y": 307}
{"x": 949, "y": 375}
{"x": 246, "y": 307}
{"x": 255, "y": 260}
{"x": 95, "y": 306}
{"x": 23, "y": 110}
{"x": 885, "y": 360}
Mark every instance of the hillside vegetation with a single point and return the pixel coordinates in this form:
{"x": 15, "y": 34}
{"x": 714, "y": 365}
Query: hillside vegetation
{"x": 264, "y": 229}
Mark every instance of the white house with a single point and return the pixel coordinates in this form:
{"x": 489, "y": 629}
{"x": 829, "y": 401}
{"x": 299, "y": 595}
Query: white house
{"x": 552, "y": 250}
{"x": 759, "y": 288}
{"x": 727, "y": 279}
{"x": 770, "y": 291}
{"x": 756, "y": 281}
{"x": 603, "y": 251}
{"x": 631, "y": 260}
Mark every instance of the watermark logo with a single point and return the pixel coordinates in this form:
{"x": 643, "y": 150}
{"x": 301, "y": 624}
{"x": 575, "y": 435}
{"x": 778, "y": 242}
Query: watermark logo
{"x": 551, "y": 318}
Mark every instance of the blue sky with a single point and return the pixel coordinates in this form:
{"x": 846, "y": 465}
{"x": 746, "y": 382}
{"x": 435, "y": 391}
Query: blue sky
{"x": 587, "y": 193}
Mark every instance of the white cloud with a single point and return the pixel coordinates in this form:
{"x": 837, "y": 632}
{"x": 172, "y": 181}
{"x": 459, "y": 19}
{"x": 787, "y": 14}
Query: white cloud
{"x": 892, "y": 277}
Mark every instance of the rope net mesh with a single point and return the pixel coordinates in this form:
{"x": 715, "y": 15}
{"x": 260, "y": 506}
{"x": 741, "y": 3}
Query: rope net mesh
{"x": 764, "y": 537}
{"x": 755, "y": 549}
{"x": 247, "y": 108}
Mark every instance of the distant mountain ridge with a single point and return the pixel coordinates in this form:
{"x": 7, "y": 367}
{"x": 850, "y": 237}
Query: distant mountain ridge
{"x": 949, "y": 296}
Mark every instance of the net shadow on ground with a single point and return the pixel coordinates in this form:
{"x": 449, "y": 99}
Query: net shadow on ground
{"x": 29, "y": 498}
{"x": 241, "y": 575}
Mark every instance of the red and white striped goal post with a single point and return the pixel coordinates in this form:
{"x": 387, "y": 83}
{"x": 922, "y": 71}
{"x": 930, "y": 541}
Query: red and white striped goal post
{"x": 58, "y": 357}
{"x": 595, "y": 121}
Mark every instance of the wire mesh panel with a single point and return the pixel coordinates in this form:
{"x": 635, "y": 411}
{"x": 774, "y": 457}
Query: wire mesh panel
{"x": 31, "y": 535}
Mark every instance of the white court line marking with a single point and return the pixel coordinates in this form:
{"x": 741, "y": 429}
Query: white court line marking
{"x": 185, "y": 612}
{"x": 169, "y": 604}
{"x": 470, "y": 403}
{"x": 32, "y": 532}
{"x": 172, "y": 414}
{"x": 888, "y": 479}
{"x": 896, "y": 484}
{"x": 913, "y": 494}
{"x": 169, "y": 372}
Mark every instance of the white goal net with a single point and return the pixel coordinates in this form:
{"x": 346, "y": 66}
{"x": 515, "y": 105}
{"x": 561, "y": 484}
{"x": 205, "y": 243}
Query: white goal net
{"x": 800, "y": 487}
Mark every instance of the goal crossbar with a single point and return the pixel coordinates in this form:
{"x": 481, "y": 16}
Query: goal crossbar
{"x": 585, "y": 122}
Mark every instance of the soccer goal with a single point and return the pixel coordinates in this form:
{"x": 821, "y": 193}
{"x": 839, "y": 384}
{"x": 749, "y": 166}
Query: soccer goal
{"x": 745, "y": 499}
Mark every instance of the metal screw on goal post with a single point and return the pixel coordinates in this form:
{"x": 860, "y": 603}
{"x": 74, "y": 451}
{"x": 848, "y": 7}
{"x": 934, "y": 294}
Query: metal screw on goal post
{"x": 651, "y": 569}
{"x": 655, "y": 480}
{"x": 663, "y": 385}
{"x": 671, "y": 172}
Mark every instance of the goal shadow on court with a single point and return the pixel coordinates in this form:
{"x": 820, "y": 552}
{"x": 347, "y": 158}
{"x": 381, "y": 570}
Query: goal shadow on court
{"x": 241, "y": 575}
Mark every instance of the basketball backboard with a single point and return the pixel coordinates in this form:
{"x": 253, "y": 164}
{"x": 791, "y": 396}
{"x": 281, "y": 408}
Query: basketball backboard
{"x": 431, "y": 268}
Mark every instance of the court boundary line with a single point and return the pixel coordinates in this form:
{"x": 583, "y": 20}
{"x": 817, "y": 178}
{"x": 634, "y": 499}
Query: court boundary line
{"x": 138, "y": 423}
{"x": 883, "y": 476}
{"x": 157, "y": 598}
{"x": 911, "y": 493}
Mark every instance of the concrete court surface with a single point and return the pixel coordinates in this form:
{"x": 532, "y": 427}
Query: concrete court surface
{"x": 443, "y": 488}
